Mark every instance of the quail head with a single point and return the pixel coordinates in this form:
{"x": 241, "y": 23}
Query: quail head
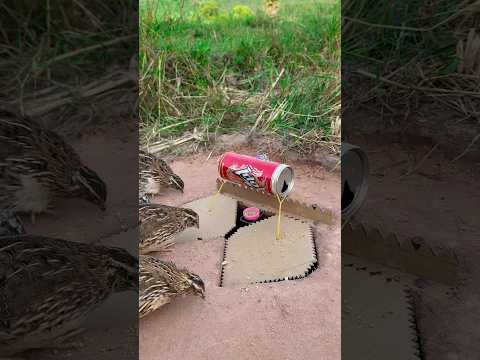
{"x": 158, "y": 225}
{"x": 156, "y": 176}
{"x": 48, "y": 287}
{"x": 161, "y": 281}
{"x": 37, "y": 167}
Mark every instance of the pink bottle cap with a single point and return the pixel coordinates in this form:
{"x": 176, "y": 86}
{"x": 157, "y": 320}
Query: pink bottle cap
{"x": 251, "y": 213}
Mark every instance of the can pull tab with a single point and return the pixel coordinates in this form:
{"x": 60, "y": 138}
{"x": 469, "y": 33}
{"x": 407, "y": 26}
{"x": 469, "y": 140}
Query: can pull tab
{"x": 261, "y": 156}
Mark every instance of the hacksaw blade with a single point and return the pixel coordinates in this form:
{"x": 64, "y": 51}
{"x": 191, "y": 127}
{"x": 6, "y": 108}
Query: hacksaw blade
{"x": 412, "y": 256}
{"x": 290, "y": 206}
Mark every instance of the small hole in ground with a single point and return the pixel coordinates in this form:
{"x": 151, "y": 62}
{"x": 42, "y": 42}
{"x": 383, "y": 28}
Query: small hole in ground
{"x": 239, "y": 223}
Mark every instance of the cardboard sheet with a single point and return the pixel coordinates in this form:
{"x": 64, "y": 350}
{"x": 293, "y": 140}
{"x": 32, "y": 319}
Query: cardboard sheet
{"x": 217, "y": 217}
{"x": 377, "y": 321}
{"x": 253, "y": 254}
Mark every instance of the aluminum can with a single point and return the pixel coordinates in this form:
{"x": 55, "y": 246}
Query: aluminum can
{"x": 268, "y": 176}
{"x": 355, "y": 171}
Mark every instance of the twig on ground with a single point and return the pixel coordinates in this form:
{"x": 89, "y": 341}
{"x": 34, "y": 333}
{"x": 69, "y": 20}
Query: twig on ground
{"x": 467, "y": 149}
{"x": 420, "y": 163}
{"x": 419, "y": 88}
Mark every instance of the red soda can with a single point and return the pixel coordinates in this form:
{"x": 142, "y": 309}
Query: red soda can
{"x": 268, "y": 176}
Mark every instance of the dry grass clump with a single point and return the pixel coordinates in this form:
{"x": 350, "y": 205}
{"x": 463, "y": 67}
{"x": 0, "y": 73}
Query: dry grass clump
{"x": 412, "y": 53}
{"x": 67, "y": 62}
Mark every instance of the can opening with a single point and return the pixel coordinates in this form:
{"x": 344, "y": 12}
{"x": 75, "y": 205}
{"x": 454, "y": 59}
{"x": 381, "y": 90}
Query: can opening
{"x": 354, "y": 179}
{"x": 347, "y": 195}
{"x": 282, "y": 180}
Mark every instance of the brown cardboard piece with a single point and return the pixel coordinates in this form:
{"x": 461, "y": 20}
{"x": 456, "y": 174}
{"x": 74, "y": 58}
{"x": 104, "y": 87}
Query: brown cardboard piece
{"x": 217, "y": 216}
{"x": 253, "y": 254}
{"x": 266, "y": 201}
{"x": 377, "y": 320}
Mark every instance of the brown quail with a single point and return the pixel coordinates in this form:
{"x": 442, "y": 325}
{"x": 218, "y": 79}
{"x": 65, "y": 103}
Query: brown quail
{"x": 155, "y": 176}
{"x": 161, "y": 281}
{"x": 37, "y": 167}
{"x": 160, "y": 223}
{"x": 48, "y": 286}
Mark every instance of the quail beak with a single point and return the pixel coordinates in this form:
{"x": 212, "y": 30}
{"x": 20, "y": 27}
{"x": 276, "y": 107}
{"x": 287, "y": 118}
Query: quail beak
{"x": 176, "y": 184}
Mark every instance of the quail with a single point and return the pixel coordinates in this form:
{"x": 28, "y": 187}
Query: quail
{"x": 161, "y": 281}
{"x": 158, "y": 225}
{"x": 37, "y": 167}
{"x": 48, "y": 286}
{"x": 155, "y": 176}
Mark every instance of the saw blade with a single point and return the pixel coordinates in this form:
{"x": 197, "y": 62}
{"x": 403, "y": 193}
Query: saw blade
{"x": 290, "y": 206}
{"x": 413, "y": 256}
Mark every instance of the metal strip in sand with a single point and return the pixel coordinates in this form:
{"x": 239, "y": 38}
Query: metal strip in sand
{"x": 253, "y": 254}
{"x": 377, "y": 319}
{"x": 217, "y": 222}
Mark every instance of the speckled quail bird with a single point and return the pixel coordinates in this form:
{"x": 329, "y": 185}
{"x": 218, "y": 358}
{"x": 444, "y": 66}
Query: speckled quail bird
{"x": 158, "y": 225}
{"x": 155, "y": 176}
{"x": 48, "y": 286}
{"x": 37, "y": 167}
{"x": 161, "y": 281}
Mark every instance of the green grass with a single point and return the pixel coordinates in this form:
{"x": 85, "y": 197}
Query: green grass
{"x": 226, "y": 73}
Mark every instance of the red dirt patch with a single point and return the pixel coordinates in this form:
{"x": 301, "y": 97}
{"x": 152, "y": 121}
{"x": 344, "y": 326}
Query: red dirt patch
{"x": 293, "y": 320}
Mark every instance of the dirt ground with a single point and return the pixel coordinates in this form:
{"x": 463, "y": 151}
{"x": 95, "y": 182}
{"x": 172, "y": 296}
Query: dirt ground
{"x": 439, "y": 200}
{"x": 113, "y": 155}
{"x": 292, "y": 320}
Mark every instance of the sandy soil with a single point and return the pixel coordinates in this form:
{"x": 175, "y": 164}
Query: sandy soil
{"x": 291, "y": 320}
{"x": 439, "y": 201}
{"x": 113, "y": 155}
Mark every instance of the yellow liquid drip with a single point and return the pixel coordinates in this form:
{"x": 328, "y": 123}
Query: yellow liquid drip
{"x": 212, "y": 202}
{"x": 280, "y": 202}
